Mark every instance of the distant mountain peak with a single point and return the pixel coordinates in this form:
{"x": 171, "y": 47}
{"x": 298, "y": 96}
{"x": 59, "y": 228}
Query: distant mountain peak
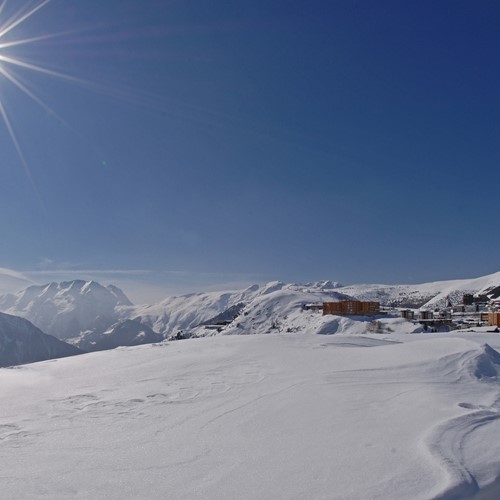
{"x": 120, "y": 295}
{"x": 67, "y": 308}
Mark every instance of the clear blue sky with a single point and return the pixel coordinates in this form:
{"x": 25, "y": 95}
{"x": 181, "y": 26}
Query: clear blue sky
{"x": 228, "y": 141}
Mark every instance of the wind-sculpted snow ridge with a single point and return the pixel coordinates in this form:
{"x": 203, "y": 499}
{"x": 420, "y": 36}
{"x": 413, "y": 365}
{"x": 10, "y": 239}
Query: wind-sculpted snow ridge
{"x": 454, "y": 442}
{"x": 486, "y": 364}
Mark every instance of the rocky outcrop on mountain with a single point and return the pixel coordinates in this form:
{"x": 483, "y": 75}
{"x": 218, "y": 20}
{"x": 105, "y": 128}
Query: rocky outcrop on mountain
{"x": 21, "y": 342}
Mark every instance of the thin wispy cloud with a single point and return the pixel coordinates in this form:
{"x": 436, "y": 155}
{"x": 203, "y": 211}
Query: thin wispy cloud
{"x": 11, "y": 273}
{"x": 12, "y": 281}
{"x": 96, "y": 272}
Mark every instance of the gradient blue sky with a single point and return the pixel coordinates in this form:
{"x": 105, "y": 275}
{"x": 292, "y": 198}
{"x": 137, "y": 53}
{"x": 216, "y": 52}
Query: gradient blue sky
{"x": 229, "y": 142}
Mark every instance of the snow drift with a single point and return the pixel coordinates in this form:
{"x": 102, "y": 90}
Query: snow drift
{"x": 257, "y": 416}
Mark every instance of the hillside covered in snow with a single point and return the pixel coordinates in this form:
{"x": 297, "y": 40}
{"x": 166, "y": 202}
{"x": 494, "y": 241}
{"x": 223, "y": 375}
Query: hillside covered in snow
{"x": 21, "y": 342}
{"x": 190, "y": 311}
{"x": 385, "y": 417}
{"x": 424, "y": 294}
{"x": 279, "y": 307}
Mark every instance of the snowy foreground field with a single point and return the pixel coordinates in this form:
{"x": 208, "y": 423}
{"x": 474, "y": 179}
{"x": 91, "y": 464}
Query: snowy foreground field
{"x": 292, "y": 416}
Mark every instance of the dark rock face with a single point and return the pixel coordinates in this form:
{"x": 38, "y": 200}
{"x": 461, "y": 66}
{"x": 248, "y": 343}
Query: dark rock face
{"x": 22, "y": 342}
{"x": 226, "y": 316}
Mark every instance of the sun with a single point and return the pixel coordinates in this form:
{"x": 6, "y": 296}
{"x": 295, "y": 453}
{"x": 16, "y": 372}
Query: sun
{"x": 15, "y": 72}
{"x": 9, "y": 63}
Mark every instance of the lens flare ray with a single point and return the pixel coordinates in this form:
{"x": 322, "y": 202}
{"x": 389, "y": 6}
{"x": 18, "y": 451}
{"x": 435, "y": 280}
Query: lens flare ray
{"x": 8, "y": 59}
{"x": 13, "y": 136}
{"x": 7, "y": 74}
{"x": 39, "y": 69}
{"x": 10, "y": 25}
{"x": 25, "y": 41}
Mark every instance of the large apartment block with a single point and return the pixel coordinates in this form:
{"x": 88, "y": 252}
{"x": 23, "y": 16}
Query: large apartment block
{"x": 351, "y": 308}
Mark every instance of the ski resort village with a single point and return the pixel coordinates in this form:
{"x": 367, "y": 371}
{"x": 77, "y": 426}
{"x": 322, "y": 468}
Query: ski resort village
{"x": 276, "y": 391}
{"x": 480, "y": 310}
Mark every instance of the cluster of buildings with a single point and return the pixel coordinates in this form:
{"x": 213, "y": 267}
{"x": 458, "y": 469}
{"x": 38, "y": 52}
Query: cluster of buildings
{"x": 475, "y": 310}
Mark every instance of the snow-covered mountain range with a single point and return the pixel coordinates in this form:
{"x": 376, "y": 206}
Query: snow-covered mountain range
{"x": 92, "y": 316}
{"x": 22, "y": 342}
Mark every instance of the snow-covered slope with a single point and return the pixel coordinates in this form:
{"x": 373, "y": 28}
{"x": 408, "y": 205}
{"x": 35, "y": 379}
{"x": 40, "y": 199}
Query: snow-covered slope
{"x": 188, "y": 311}
{"x": 265, "y": 312}
{"x": 22, "y": 342}
{"x": 257, "y": 417}
{"x": 424, "y": 294}
{"x": 283, "y": 311}
{"x": 66, "y": 309}
{"x": 185, "y": 311}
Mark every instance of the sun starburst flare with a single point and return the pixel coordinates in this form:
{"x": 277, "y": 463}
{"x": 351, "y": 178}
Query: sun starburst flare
{"x": 15, "y": 71}
{"x": 9, "y": 62}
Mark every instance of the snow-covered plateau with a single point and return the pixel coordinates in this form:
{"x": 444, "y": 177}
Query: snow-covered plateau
{"x": 285, "y": 416}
